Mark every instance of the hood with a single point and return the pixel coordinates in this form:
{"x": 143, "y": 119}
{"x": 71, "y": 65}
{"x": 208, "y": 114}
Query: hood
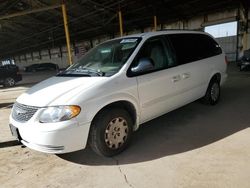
{"x": 57, "y": 89}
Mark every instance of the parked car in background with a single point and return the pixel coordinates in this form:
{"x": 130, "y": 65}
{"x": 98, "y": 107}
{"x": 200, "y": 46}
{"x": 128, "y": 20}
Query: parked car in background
{"x": 244, "y": 63}
{"x": 9, "y": 75}
{"x": 41, "y": 67}
{"x": 117, "y": 86}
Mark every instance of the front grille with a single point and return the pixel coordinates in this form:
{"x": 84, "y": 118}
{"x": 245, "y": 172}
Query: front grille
{"x": 23, "y": 113}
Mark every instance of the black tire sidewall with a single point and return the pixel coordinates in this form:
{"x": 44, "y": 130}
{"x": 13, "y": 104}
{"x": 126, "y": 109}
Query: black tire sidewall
{"x": 98, "y": 131}
{"x": 208, "y": 94}
{"x": 6, "y": 83}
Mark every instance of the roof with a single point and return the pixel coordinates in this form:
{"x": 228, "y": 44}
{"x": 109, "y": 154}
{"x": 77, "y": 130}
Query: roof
{"x": 161, "y": 32}
{"x": 90, "y": 18}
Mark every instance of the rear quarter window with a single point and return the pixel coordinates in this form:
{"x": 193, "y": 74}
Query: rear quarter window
{"x": 193, "y": 47}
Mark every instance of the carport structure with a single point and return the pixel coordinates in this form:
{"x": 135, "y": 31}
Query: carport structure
{"x": 42, "y": 28}
{"x": 194, "y": 146}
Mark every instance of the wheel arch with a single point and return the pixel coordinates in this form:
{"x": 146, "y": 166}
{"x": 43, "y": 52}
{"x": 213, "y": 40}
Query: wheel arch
{"x": 215, "y": 76}
{"x": 128, "y": 106}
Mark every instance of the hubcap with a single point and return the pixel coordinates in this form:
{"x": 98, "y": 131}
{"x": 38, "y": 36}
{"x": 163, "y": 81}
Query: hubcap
{"x": 116, "y": 133}
{"x": 215, "y": 91}
{"x": 10, "y": 81}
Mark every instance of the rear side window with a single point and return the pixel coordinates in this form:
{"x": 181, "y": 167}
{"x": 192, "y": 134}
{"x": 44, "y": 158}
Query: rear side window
{"x": 193, "y": 47}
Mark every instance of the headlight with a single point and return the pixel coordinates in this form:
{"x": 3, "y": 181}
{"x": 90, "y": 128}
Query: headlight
{"x": 59, "y": 113}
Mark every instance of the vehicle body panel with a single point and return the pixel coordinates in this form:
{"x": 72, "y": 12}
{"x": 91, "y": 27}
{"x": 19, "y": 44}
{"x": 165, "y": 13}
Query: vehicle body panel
{"x": 151, "y": 95}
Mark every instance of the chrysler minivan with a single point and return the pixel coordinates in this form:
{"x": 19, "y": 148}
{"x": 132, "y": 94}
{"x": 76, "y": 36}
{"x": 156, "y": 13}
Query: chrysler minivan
{"x": 118, "y": 85}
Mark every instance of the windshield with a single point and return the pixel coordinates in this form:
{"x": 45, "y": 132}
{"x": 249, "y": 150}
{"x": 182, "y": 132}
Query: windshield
{"x": 104, "y": 60}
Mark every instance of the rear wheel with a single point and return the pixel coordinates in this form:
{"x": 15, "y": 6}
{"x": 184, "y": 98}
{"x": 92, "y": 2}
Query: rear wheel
{"x": 111, "y": 132}
{"x": 9, "y": 82}
{"x": 213, "y": 92}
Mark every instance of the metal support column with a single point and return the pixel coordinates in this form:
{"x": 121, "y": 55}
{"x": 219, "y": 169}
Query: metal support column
{"x": 237, "y": 36}
{"x": 65, "y": 21}
{"x": 120, "y": 23}
{"x": 155, "y": 23}
{"x": 245, "y": 34}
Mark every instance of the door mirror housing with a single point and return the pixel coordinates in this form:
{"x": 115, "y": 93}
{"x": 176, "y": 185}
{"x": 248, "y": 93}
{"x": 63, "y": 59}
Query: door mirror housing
{"x": 144, "y": 65}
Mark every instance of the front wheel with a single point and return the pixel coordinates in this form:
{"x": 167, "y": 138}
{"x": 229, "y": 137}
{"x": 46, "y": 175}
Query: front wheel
{"x": 111, "y": 132}
{"x": 9, "y": 82}
{"x": 213, "y": 93}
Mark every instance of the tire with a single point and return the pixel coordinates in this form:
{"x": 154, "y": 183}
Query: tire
{"x": 212, "y": 95}
{"x": 111, "y": 132}
{"x": 9, "y": 82}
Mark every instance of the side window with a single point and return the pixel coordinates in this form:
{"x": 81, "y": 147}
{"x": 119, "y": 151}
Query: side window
{"x": 154, "y": 50}
{"x": 157, "y": 50}
{"x": 193, "y": 47}
{"x": 210, "y": 46}
{"x": 183, "y": 47}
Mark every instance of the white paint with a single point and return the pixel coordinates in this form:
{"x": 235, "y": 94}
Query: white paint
{"x": 151, "y": 95}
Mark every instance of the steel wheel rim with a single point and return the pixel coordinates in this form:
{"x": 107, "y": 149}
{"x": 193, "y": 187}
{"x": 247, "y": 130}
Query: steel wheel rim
{"x": 215, "y": 91}
{"x": 10, "y": 81}
{"x": 116, "y": 133}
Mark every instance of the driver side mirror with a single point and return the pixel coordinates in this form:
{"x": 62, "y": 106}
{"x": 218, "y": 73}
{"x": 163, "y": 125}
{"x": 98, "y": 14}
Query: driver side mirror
{"x": 144, "y": 65}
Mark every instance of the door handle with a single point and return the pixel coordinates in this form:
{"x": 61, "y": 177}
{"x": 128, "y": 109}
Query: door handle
{"x": 185, "y": 75}
{"x": 176, "y": 78}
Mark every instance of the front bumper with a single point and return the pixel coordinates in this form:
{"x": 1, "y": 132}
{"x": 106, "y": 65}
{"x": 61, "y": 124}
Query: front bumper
{"x": 58, "y": 141}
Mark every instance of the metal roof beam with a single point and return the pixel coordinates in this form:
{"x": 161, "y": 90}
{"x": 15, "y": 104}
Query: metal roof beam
{"x": 9, "y": 6}
{"x": 29, "y": 12}
{"x": 102, "y": 6}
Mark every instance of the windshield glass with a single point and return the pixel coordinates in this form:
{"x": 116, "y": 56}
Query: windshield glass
{"x": 104, "y": 60}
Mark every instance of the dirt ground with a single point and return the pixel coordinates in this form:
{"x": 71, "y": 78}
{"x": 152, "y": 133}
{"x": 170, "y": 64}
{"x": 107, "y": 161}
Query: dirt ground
{"x": 195, "y": 146}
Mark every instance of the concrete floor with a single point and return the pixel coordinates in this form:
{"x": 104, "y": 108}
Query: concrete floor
{"x": 194, "y": 146}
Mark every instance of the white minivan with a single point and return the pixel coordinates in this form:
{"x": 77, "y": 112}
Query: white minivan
{"x": 118, "y": 85}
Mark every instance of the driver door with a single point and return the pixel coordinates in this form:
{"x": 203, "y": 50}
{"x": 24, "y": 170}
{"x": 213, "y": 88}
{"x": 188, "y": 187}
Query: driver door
{"x": 158, "y": 89}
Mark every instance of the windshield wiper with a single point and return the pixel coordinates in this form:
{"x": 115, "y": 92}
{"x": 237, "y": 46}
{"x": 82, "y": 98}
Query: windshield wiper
{"x": 90, "y": 70}
{"x": 71, "y": 73}
{"x": 65, "y": 74}
{"x": 83, "y": 71}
